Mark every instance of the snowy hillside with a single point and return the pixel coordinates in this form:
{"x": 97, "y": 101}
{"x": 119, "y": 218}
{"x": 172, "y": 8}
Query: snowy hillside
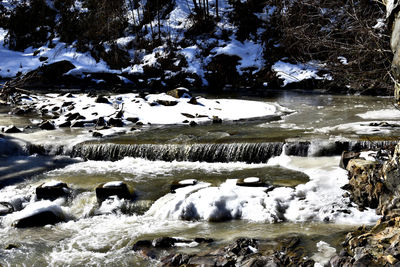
{"x": 162, "y": 44}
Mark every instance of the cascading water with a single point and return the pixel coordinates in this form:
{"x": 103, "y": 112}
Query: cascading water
{"x": 243, "y": 152}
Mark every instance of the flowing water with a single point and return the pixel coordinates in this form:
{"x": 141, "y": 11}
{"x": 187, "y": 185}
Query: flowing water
{"x": 295, "y": 156}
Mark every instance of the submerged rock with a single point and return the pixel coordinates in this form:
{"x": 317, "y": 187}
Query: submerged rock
{"x": 119, "y": 189}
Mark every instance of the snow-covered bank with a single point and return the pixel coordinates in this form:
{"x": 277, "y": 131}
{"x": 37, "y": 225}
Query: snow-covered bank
{"x": 79, "y": 110}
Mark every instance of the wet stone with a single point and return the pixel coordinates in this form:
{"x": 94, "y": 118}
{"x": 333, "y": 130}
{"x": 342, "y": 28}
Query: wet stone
{"x": 6, "y": 208}
{"x": 52, "y": 191}
{"x": 119, "y": 189}
{"x": 47, "y": 125}
{"x": 65, "y": 124}
{"x": 39, "y": 219}
{"x": 12, "y": 129}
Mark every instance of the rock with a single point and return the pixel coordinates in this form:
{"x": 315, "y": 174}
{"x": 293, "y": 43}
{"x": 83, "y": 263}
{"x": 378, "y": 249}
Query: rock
{"x": 216, "y": 120}
{"x": 179, "y": 92}
{"x": 6, "y": 208}
{"x": 102, "y": 99}
{"x": 180, "y": 184}
{"x": 141, "y": 244}
{"x": 47, "y": 125}
{"x": 365, "y": 183}
{"x": 67, "y": 103}
{"x": 115, "y": 122}
{"x": 65, "y": 124}
{"x": 74, "y": 116}
{"x": 119, "y": 189}
{"x": 40, "y": 218}
{"x": 52, "y": 190}
{"x": 133, "y": 119}
{"x": 193, "y": 101}
{"x": 100, "y": 122}
{"x": 12, "y": 129}
{"x": 78, "y": 124}
{"x": 187, "y": 115}
{"x": 175, "y": 260}
{"x": 192, "y": 123}
{"x": 346, "y": 157}
{"x": 167, "y": 103}
{"x": 97, "y": 135}
{"x": 164, "y": 242}
{"x": 10, "y": 246}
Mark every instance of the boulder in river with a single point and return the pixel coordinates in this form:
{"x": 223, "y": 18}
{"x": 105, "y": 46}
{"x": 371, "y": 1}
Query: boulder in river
{"x": 12, "y": 129}
{"x": 39, "y": 218}
{"x": 52, "y": 190}
{"x": 117, "y": 188}
{"x": 6, "y": 208}
{"x": 47, "y": 125}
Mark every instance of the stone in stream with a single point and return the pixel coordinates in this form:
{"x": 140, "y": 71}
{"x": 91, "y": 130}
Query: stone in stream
{"x": 52, "y": 190}
{"x": 47, "y": 125}
{"x": 6, "y": 208}
{"x": 216, "y": 120}
{"x": 12, "y": 129}
{"x": 39, "y": 218}
{"x": 180, "y": 184}
{"x": 117, "y": 188}
{"x": 65, "y": 124}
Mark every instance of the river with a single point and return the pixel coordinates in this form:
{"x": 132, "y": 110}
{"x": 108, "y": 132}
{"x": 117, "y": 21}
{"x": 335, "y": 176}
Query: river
{"x": 296, "y": 155}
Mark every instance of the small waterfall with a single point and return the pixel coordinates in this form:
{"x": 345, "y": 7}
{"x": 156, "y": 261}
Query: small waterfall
{"x": 245, "y": 152}
{"x": 226, "y": 152}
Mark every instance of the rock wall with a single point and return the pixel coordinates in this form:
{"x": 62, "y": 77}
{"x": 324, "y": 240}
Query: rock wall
{"x": 374, "y": 184}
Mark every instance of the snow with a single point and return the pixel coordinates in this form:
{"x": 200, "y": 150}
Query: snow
{"x": 143, "y": 109}
{"x": 290, "y": 73}
{"x": 188, "y": 182}
{"x": 321, "y": 199}
{"x": 251, "y": 53}
{"x": 52, "y": 184}
{"x": 113, "y": 184}
{"x": 382, "y": 114}
{"x": 251, "y": 180}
